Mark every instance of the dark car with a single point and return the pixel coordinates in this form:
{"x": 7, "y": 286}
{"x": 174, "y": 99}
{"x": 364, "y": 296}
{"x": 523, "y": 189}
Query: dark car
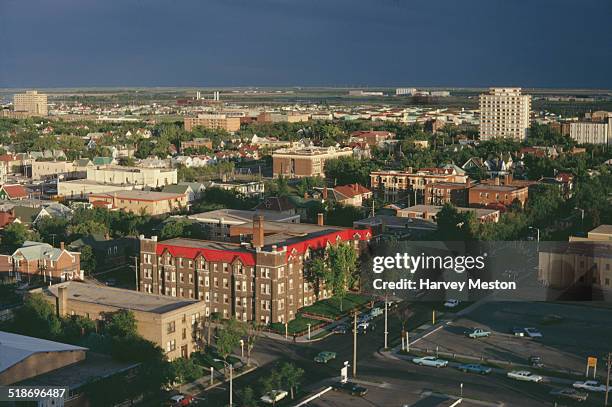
{"x": 516, "y": 331}
{"x": 351, "y": 388}
{"x": 474, "y": 368}
{"x": 340, "y": 329}
{"x": 536, "y": 361}
{"x": 569, "y": 393}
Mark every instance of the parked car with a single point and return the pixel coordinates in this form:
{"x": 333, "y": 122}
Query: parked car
{"x": 517, "y": 331}
{"x": 533, "y": 333}
{"x": 180, "y": 400}
{"x": 451, "y": 303}
{"x": 430, "y": 361}
{"x": 274, "y": 396}
{"x": 524, "y": 375}
{"x": 569, "y": 393}
{"x": 340, "y": 329}
{"x": 477, "y": 333}
{"x": 536, "y": 361}
{"x": 376, "y": 311}
{"x": 473, "y": 368}
{"x": 364, "y": 327}
{"x": 590, "y": 385}
{"x": 349, "y": 387}
{"x": 324, "y": 357}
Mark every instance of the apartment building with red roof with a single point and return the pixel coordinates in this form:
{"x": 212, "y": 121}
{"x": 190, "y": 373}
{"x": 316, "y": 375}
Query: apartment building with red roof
{"x": 259, "y": 276}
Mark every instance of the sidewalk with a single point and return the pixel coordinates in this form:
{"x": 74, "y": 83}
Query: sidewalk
{"x": 203, "y": 383}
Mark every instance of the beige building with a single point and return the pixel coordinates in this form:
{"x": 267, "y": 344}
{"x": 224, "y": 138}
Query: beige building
{"x": 150, "y": 177}
{"x": 172, "y": 323}
{"x": 44, "y": 169}
{"x": 504, "y": 113}
{"x": 31, "y": 102}
{"x": 213, "y": 121}
{"x": 305, "y": 162}
{"x": 591, "y": 132}
{"x": 149, "y": 202}
{"x": 82, "y": 188}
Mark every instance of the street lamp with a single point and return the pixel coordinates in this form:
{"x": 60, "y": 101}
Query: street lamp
{"x": 581, "y": 218}
{"x": 309, "y": 331}
{"x": 229, "y": 365}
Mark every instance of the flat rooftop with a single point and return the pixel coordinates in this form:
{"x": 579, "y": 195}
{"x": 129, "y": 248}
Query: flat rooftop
{"x": 139, "y": 195}
{"x": 201, "y": 244}
{"x": 602, "y": 230}
{"x": 236, "y": 216}
{"x": 433, "y": 209}
{"x": 118, "y": 297}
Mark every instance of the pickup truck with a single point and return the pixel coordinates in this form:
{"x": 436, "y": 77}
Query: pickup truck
{"x": 477, "y": 333}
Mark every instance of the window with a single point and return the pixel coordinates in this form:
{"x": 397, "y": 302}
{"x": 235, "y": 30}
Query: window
{"x": 171, "y": 327}
{"x": 171, "y": 345}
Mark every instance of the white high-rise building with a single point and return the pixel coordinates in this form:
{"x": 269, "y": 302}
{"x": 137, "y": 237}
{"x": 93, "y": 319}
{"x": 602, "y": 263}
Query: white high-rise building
{"x": 504, "y": 113}
{"x": 32, "y": 102}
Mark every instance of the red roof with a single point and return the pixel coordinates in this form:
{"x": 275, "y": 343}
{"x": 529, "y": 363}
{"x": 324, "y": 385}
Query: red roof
{"x": 226, "y": 256}
{"x": 248, "y": 258}
{"x": 352, "y": 190}
{"x": 15, "y": 191}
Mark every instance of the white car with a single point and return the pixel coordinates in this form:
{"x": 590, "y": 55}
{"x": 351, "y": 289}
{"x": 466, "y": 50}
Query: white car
{"x": 590, "y": 385}
{"x": 274, "y": 396}
{"x": 533, "y": 333}
{"x": 524, "y": 375}
{"x": 451, "y": 303}
{"x": 430, "y": 361}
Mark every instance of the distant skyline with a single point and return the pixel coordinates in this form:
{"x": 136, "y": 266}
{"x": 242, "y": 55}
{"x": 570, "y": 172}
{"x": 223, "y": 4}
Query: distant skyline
{"x": 222, "y": 43}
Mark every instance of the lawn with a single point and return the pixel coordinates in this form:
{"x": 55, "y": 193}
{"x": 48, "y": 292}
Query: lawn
{"x": 330, "y": 307}
{"x": 207, "y": 359}
{"x": 298, "y": 325}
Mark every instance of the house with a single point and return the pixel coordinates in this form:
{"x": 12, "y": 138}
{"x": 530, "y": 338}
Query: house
{"x": 46, "y": 261}
{"x": 489, "y": 195}
{"x": 273, "y": 204}
{"x": 351, "y": 194}
{"x": 181, "y": 189}
{"x": 108, "y": 252}
{"x": 430, "y": 212}
{"x": 13, "y": 192}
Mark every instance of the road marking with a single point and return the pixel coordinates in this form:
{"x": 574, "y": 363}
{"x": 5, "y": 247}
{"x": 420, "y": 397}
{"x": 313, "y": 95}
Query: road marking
{"x": 428, "y": 333}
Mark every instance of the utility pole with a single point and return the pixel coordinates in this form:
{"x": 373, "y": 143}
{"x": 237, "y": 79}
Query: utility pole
{"x": 386, "y": 326}
{"x": 136, "y": 271}
{"x": 608, "y": 380}
{"x": 355, "y": 344}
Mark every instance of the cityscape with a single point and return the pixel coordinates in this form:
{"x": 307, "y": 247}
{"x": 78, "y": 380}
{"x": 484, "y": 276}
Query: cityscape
{"x": 396, "y": 242}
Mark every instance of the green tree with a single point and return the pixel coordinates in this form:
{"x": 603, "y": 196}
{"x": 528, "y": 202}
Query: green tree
{"x": 186, "y": 370}
{"x": 76, "y": 327}
{"x": 15, "y": 234}
{"x": 229, "y": 337}
{"x": 88, "y": 260}
{"x": 37, "y": 318}
{"x": 52, "y": 230}
{"x": 343, "y": 263}
{"x": 317, "y": 273}
{"x": 121, "y": 323}
{"x": 271, "y": 383}
{"x": 291, "y": 377}
{"x": 247, "y": 397}
{"x": 87, "y": 228}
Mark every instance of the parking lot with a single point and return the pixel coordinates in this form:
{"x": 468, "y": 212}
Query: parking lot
{"x": 571, "y": 332}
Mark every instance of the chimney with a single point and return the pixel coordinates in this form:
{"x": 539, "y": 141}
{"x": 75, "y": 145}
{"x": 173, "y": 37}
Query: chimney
{"x": 497, "y": 181}
{"x": 61, "y": 245}
{"x": 468, "y": 183}
{"x": 258, "y": 231}
{"x": 62, "y": 300}
{"x": 320, "y": 219}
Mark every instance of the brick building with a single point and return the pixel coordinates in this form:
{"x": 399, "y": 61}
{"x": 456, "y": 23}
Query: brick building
{"x": 197, "y": 143}
{"x": 483, "y": 195}
{"x": 42, "y": 260}
{"x": 171, "y": 323}
{"x": 213, "y": 121}
{"x": 305, "y": 162}
{"x": 149, "y": 202}
{"x": 395, "y": 182}
{"x": 441, "y": 193}
{"x": 260, "y": 277}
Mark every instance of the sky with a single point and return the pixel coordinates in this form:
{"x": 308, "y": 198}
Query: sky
{"x": 357, "y": 43}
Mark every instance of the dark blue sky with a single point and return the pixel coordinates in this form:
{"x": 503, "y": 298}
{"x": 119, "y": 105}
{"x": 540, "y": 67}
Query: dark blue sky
{"x": 530, "y": 43}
